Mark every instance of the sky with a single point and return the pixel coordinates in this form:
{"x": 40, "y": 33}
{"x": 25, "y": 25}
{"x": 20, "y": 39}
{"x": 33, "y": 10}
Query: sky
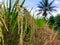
{"x": 33, "y": 4}
{"x": 29, "y": 4}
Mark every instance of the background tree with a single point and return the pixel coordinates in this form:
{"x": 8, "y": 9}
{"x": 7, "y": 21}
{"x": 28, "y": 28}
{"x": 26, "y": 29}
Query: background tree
{"x": 57, "y": 21}
{"x": 54, "y": 22}
{"x": 51, "y": 21}
{"x": 57, "y": 24}
{"x": 45, "y": 7}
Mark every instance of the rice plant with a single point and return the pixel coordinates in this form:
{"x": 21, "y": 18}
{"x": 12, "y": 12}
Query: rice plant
{"x": 10, "y": 25}
{"x": 22, "y": 29}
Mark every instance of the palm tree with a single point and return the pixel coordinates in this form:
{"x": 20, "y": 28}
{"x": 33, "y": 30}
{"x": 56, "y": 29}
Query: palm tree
{"x": 45, "y": 7}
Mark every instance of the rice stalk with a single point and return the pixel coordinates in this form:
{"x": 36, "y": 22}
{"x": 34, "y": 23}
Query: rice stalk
{"x": 15, "y": 4}
{"x": 25, "y": 18}
{"x": 1, "y": 34}
{"x": 20, "y": 26}
{"x": 4, "y": 23}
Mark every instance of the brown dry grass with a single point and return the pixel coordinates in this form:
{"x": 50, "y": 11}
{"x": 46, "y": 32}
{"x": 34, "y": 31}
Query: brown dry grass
{"x": 44, "y": 36}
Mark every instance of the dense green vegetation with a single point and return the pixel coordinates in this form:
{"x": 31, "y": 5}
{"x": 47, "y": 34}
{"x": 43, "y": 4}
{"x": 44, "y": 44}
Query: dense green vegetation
{"x": 40, "y": 22}
{"x": 54, "y": 22}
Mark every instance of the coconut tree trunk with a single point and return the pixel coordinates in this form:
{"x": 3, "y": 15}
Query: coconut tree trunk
{"x": 45, "y": 14}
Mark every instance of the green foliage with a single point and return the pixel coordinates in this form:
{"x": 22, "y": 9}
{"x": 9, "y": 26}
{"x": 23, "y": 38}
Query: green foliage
{"x": 57, "y": 24}
{"x": 57, "y": 20}
{"x": 54, "y": 22}
{"x": 51, "y": 21}
{"x": 40, "y": 22}
{"x": 10, "y": 23}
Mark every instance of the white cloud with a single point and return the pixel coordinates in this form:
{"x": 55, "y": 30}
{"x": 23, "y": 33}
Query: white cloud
{"x": 57, "y": 12}
{"x": 56, "y": 2}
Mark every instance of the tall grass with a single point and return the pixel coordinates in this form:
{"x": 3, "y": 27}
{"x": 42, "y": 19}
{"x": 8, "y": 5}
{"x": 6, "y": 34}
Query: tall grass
{"x": 10, "y": 25}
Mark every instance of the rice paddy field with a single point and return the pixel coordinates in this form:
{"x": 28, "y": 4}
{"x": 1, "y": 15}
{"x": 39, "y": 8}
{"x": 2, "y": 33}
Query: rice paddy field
{"x": 19, "y": 27}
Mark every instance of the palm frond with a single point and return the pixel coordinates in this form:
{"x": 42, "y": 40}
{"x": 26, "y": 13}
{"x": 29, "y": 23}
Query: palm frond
{"x": 51, "y": 3}
{"x": 45, "y": 6}
{"x": 53, "y": 10}
{"x": 50, "y": 13}
{"x": 41, "y": 3}
{"x": 39, "y": 13}
{"x": 39, "y": 6}
{"x": 52, "y": 7}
